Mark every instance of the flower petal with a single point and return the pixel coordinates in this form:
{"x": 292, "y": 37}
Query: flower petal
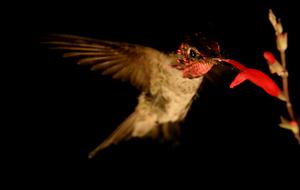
{"x": 259, "y": 78}
{"x": 236, "y": 64}
{"x": 241, "y": 77}
{"x": 294, "y": 123}
{"x": 269, "y": 57}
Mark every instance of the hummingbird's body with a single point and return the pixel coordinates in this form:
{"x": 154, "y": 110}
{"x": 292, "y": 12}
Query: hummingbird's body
{"x": 168, "y": 82}
{"x": 168, "y": 99}
{"x": 162, "y": 107}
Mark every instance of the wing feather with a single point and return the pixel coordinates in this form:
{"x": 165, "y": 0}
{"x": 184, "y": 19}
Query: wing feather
{"x": 124, "y": 61}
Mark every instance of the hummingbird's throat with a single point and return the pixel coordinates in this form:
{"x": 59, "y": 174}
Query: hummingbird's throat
{"x": 191, "y": 67}
{"x": 197, "y": 69}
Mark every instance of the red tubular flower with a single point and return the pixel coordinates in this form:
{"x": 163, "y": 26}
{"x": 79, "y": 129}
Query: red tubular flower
{"x": 274, "y": 65}
{"x": 255, "y": 76}
{"x": 269, "y": 57}
{"x": 234, "y": 63}
{"x": 294, "y": 124}
{"x": 259, "y": 78}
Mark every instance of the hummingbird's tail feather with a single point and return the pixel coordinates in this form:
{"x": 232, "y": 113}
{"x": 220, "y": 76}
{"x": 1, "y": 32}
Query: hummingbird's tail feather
{"x": 123, "y": 131}
{"x": 170, "y": 131}
{"x": 137, "y": 126}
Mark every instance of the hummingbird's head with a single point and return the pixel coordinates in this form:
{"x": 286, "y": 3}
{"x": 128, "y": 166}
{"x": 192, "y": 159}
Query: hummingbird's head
{"x": 197, "y": 55}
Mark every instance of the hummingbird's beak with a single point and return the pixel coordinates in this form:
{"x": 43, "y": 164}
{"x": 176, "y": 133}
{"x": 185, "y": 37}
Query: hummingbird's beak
{"x": 216, "y": 61}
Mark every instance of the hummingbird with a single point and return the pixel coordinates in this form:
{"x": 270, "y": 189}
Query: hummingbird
{"x": 168, "y": 82}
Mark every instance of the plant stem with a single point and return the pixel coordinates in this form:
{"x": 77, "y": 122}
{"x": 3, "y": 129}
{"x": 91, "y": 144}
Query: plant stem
{"x": 285, "y": 86}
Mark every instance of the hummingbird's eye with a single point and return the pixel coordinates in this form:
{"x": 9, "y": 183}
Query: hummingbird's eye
{"x": 193, "y": 54}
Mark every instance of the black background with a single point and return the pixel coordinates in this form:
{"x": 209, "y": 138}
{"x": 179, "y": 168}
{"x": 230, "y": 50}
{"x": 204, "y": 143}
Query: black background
{"x": 65, "y": 110}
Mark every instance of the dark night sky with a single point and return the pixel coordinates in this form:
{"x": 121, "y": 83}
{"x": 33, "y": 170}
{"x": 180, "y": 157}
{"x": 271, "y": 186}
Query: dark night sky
{"x": 75, "y": 109}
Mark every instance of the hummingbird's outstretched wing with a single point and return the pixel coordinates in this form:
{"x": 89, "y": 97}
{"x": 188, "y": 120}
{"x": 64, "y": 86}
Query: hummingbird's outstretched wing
{"x": 128, "y": 62}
